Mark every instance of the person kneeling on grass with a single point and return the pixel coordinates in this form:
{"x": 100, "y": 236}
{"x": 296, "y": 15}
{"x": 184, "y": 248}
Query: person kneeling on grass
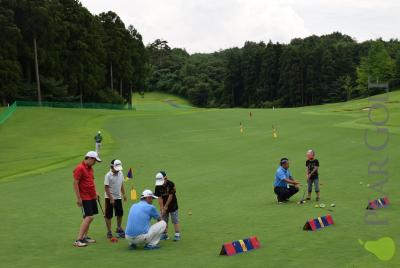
{"x": 168, "y": 203}
{"x": 86, "y": 196}
{"x": 138, "y": 230}
{"x": 114, "y": 192}
{"x": 284, "y": 186}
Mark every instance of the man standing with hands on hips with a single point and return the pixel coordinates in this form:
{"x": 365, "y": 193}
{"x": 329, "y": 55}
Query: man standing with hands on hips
{"x": 86, "y": 196}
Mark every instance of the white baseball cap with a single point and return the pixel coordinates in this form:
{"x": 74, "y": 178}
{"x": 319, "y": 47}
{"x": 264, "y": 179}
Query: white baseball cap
{"x": 93, "y": 154}
{"x": 117, "y": 164}
{"x": 148, "y": 193}
{"x": 159, "y": 179}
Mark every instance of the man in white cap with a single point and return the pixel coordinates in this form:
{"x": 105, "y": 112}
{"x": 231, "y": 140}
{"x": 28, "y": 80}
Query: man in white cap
{"x": 86, "y": 196}
{"x": 98, "y": 138}
{"x": 138, "y": 230}
{"x": 114, "y": 192}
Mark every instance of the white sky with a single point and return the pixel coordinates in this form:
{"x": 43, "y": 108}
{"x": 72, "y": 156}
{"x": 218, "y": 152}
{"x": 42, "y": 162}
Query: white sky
{"x": 210, "y": 25}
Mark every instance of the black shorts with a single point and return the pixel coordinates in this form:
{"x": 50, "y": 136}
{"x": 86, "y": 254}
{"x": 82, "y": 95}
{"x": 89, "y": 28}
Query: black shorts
{"x": 89, "y": 207}
{"x": 119, "y": 211}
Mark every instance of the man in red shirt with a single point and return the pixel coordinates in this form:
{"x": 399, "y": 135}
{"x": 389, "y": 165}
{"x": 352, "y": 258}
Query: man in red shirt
{"x": 86, "y": 196}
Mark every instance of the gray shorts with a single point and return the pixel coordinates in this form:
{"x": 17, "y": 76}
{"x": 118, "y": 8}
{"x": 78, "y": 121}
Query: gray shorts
{"x": 316, "y": 185}
{"x": 174, "y": 217}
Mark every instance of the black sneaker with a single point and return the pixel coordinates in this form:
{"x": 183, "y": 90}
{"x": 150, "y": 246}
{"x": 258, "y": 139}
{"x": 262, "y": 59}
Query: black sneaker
{"x": 121, "y": 233}
{"x": 88, "y": 240}
{"x": 109, "y": 235}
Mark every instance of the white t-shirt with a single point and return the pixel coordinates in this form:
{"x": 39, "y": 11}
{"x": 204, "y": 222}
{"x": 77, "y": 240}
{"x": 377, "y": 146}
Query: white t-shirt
{"x": 114, "y": 181}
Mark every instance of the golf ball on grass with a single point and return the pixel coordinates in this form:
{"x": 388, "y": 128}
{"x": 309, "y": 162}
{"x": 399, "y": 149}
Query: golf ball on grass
{"x": 333, "y": 205}
{"x": 322, "y": 205}
{"x": 316, "y": 206}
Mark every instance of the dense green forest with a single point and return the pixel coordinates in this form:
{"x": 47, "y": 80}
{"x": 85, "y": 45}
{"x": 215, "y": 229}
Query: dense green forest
{"x": 56, "y": 50}
{"x": 307, "y": 71}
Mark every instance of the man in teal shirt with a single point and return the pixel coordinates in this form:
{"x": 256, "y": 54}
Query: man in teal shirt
{"x": 285, "y": 186}
{"x": 98, "y": 138}
{"x": 138, "y": 230}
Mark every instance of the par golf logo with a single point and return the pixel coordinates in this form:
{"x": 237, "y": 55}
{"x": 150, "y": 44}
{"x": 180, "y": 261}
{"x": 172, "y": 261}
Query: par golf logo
{"x": 383, "y": 248}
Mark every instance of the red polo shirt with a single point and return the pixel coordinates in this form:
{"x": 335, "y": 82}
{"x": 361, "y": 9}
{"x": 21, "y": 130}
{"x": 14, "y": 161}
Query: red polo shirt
{"x": 84, "y": 175}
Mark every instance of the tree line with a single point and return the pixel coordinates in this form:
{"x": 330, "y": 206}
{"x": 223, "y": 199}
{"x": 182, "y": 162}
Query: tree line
{"x": 56, "y": 50}
{"x": 309, "y": 71}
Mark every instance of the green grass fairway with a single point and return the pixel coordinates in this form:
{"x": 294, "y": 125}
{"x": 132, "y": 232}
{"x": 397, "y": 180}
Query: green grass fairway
{"x": 223, "y": 176}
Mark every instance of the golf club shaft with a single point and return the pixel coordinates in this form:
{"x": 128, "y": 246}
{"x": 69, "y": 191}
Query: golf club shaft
{"x": 101, "y": 207}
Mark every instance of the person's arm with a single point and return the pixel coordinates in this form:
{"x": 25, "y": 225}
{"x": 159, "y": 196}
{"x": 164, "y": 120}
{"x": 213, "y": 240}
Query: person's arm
{"x": 155, "y": 215}
{"x": 313, "y": 171}
{"x": 76, "y": 190}
{"x": 77, "y": 176}
{"x": 291, "y": 181}
{"x": 109, "y": 195}
{"x": 123, "y": 192}
{"x": 170, "y": 196}
{"x": 158, "y": 192}
{"x": 107, "y": 189}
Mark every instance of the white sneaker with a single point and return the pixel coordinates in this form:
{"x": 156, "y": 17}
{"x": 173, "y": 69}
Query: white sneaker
{"x": 79, "y": 244}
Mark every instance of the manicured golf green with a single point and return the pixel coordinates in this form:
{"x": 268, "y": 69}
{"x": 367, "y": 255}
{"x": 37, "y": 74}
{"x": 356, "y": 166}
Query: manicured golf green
{"x": 223, "y": 177}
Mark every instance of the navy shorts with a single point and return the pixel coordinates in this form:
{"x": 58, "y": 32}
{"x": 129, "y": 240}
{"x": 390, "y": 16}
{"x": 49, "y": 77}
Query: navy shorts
{"x": 119, "y": 211}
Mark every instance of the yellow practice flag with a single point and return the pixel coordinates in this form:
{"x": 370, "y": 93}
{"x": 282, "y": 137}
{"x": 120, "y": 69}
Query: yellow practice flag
{"x": 274, "y": 134}
{"x": 133, "y": 194}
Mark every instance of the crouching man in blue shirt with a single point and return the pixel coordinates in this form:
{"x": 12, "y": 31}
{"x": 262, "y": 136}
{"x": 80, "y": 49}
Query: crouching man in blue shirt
{"x": 138, "y": 230}
{"x": 285, "y": 186}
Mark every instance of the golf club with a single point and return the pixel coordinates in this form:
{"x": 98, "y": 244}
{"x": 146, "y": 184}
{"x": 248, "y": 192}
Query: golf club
{"x": 302, "y": 199}
{"x": 83, "y": 212}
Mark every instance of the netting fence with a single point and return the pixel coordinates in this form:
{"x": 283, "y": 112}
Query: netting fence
{"x": 12, "y": 108}
{"x": 75, "y": 105}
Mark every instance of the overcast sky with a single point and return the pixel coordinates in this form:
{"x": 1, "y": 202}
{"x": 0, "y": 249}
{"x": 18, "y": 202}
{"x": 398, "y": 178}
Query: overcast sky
{"x": 210, "y": 25}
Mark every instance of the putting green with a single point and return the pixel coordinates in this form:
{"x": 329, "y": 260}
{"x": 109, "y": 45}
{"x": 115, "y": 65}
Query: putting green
{"x": 223, "y": 177}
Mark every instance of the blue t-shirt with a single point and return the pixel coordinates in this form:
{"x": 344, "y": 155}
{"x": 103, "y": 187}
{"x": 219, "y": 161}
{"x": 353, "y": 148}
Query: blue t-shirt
{"x": 280, "y": 175}
{"x": 139, "y": 218}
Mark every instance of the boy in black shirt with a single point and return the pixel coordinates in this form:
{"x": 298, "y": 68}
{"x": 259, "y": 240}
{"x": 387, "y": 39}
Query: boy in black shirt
{"x": 312, "y": 165}
{"x": 165, "y": 189}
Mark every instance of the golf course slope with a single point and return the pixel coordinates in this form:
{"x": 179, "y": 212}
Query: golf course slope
{"x": 224, "y": 177}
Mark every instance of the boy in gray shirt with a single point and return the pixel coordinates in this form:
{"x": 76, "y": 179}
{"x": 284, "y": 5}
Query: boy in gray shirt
{"x": 114, "y": 192}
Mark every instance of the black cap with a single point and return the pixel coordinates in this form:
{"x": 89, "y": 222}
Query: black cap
{"x": 284, "y": 160}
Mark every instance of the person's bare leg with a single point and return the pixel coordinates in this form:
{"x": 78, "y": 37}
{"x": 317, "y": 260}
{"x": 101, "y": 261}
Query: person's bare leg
{"x": 119, "y": 222}
{"x": 84, "y": 228}
{"x": 108, "y": 223}
{"x": 177, "y": 228}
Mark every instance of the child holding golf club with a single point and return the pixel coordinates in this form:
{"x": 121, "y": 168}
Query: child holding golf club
{"x": 165, "y": 189}
{"x": 312, "y": 165}
{"x": 114, "y": 193}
